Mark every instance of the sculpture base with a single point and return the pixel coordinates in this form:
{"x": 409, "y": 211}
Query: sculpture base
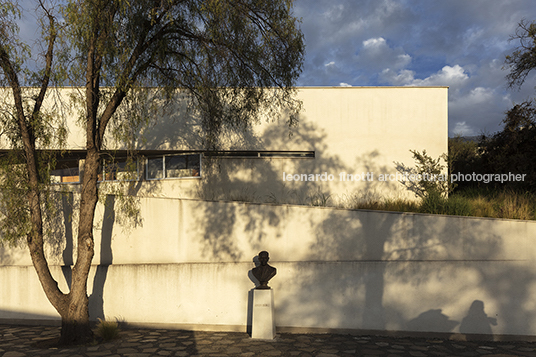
{"x": 263, "y": 322}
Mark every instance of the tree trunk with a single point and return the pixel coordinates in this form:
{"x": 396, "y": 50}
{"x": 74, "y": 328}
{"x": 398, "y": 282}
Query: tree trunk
{"x": 75, "y": 327}
{"x": 75, "y": 324}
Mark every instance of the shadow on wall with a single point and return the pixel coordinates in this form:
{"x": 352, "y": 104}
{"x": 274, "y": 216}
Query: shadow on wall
{"x": 261, "y": 180}
{"x": 477, "y": 325}
{"x": 96, "y": 300}
{"x": 61, "y": 243}
{"x": 11, "y": 254}
{"x": 432, "y": 320}
{"x": 255, "y": 180}
{"x": 360, "y": 258}
{"x": 180, "y": 130}
{"x": 220, "y": 222}
{"x": 339, "y": 237}
{"x": 390, "y": 255}
{"x": 352, "y": 282}
{"x": 381, "y": 271}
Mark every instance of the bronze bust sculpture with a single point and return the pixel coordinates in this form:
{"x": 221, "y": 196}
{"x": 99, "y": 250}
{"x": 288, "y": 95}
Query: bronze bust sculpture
{"x": 264, "y": 272}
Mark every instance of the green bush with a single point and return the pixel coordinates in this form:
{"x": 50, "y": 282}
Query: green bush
{"x": 430, "y": 176}
{"x": 459, "y": 206}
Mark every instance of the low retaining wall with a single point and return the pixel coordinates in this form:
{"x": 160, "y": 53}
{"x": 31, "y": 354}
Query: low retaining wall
{"x": 189, "y": 264}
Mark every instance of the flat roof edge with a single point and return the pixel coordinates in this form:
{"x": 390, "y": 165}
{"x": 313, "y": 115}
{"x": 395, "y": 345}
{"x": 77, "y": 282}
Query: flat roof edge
{"x": 297, "y": 87}
{"x": 367, "y": 87}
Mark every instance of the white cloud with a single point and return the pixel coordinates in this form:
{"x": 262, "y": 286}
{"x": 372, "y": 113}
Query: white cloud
{"x": 479, "y": 109}
{"x": 460, "y": 44}
{"x": 376, "y": 55}
{"x": 462, "y": 129}
{"x": 404, "y": 60}
{"x": 447, "y": 76}
{"x": 402, "y": 78}
{"x": 342, "y": 84}
{"x": 374, "y": 43}
{"x": 477, "y": 96}
{"x": 454, "y": 77}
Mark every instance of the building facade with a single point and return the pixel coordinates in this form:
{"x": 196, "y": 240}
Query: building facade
{"x": 347, "y": 143}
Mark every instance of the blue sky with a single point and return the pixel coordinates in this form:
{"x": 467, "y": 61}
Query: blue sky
{"x": 457, "y": 43}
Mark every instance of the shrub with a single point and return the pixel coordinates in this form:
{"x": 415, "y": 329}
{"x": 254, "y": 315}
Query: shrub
{"x": 431, "y": 176}
{"x": 459, "y": 206}
{"x": 515, "y": 206}
{"x": 107, "y": 330}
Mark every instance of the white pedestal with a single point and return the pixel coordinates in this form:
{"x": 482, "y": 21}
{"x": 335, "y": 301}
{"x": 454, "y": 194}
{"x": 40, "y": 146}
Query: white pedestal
{"x": 263, "y": 322}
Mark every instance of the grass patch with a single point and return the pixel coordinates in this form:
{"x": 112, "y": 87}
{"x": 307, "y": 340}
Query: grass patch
{"x": 107, "y": 330}
{"x": 374, "y": 202}
{"x": 476, "y": 203}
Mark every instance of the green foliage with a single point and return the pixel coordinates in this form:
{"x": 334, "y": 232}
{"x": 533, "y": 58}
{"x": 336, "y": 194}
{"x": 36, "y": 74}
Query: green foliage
{"x": 10, "y": 13}
{"x": 319, "y": 199}
{"x": 468, "y": 202}
{"x": 122, "y": 201}
{"x": 373, "y": 201}
{"x": 252, "y": 48}
{"x": 454, "y": 205}
{"x": 463, "y": 156}
{"x": 107, "y": 330}
{"x": 523, "y": 60}
{"x": 513, "y": 149}
{"x": 428, "y": 177}
{"x": 387, "y": 204}
{"x": 14, "y": 218}
{"x": 49, "y": 131}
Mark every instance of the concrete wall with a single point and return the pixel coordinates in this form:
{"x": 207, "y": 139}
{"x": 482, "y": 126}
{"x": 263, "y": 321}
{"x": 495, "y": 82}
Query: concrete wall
{"x": 188, "y": 264}
{"x": 351, "y": 130}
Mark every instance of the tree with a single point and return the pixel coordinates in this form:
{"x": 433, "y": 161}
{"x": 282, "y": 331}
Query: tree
{"x": 237, "y": 59}
{"x": 512, "y": 150}
{"x": 523, "y": 59}
{"x": 463, "y": 158}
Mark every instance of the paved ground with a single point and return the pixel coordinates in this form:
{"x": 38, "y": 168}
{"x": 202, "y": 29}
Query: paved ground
{"x": 20, "y": 341}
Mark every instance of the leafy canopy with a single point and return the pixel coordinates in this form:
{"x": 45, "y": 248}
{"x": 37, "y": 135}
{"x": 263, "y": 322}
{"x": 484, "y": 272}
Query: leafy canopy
{"x": 252, "y": 49}
{"x": 523, "y": 59}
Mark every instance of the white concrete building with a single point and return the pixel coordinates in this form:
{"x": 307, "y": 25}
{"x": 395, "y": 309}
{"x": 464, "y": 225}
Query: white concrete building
{"x": 188, "y": 263}
{"x": 347, "y": 143}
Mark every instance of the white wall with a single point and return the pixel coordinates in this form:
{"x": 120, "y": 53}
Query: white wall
{"x": 189, "y": 263}
{"x": 351, "y": 130}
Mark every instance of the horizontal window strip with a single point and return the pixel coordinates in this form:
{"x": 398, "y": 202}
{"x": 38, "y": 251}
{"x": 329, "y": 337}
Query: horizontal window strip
{"x": 261, "y": 154}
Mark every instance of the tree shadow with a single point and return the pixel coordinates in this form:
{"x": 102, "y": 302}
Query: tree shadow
{"x": 11, "y": 254}
{"x": 67, "y": 253}
{"x": 340, "y": 240}
{"x": 355, "y": 269}
{"x": 96, "y": 299}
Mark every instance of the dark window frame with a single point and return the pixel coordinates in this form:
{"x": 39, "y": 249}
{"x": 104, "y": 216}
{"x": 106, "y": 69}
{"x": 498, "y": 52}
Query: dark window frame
{"x": 191, "y": 163}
